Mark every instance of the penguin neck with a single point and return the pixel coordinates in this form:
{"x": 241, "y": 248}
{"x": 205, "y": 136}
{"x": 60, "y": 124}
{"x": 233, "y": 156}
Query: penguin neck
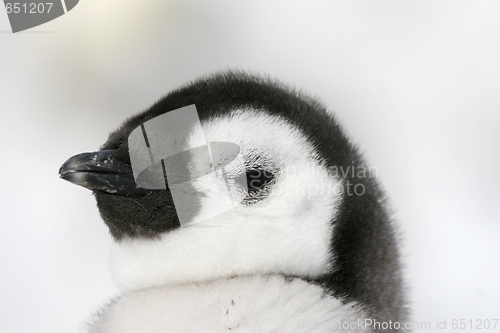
{"x": 205, "y": 253}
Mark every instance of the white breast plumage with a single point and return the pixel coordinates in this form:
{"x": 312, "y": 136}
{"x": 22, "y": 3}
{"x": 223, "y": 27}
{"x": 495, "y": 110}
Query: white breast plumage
{"x": 292, "y": 251}
{"x": 243, "y": 304}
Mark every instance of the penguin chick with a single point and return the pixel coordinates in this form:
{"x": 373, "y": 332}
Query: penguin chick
{"x": 298, "y": 251}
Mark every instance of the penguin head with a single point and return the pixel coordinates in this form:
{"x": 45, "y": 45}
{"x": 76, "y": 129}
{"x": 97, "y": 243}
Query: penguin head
{"x": 294, "y": 218}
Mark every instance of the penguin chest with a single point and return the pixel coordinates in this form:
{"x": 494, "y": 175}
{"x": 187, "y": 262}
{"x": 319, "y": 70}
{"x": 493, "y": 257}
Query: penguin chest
{"x": 243, "y": 304}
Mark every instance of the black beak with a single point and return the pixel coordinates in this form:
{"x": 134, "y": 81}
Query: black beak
{"x": 99, "y": 171}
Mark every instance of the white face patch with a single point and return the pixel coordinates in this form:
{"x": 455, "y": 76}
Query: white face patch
{"x": 287, "y": 229}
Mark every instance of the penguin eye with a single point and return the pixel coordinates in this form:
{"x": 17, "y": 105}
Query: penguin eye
{"x": 257, "y": 180}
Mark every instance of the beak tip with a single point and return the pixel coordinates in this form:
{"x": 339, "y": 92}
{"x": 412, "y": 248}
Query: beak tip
{"x": 98, "y": 171}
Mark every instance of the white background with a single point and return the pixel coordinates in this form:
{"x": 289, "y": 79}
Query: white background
{"x": 416, "y": 84}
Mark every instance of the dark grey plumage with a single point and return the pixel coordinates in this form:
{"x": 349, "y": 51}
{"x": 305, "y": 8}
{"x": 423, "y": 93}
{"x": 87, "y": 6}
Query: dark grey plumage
{"x": 367, "y": 267}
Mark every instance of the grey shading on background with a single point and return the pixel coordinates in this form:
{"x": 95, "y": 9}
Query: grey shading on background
{"x": 33, "y": 13}
{"x": 70, "y": 4}
{"x": 160, "y": 159}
